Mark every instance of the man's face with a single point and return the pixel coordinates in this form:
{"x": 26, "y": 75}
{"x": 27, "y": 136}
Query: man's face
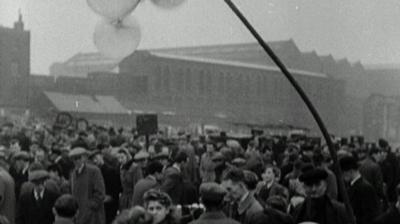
{"x": 40, "y": 155}
{"x": 38, "y": 187}
{"x": 268, "y": 175}
{"x": 20, "y": 164}
{"x": 347, "y": 177}
{"x": 122, "y": 158}
{"x": 210, "y": 148}
{"x": 79, "y": 161}
{"x": 315, "y": 190}
{"x": 308, "y": 153}
{"x": 235, "y": 191}
{"x": 142, "y": 163}
{"x": 98, "y": 160}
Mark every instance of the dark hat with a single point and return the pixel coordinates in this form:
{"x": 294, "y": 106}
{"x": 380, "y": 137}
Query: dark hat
{"x": 312, "y": 176}
{"x": 180, "y": 157}
{"x": 348, "y": 163}
{"x": 38, "y": 175}
{"x": 383, "y": 143}
{"x": 21, "y": 155}
{"x": 212, "y": 192}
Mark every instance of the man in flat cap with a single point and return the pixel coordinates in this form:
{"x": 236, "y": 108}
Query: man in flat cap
{"x": 372, "y": 172}
{"x": 392, "y": 215}
{"x": 362, "y": 195}
{"x": 88, "y": 188}
{"x": 19, "y": 171}
{"x": 35, "y": 206}
{"x": 212, "y": 196}
{"x": 317, "y": 206}
{"x": 7, "y": 194}
{"x": 243, "y": 204}
{"x": 151, "y": 181}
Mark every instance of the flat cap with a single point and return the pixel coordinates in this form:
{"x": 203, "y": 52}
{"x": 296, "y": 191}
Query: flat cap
{"x": 21, "y": 155}
{"x": 161, "y": 155}
{"x": 239, "y": 161}
{"x": 38, "y": 175}
{"x": 348, "y": 163}
{"x": 78, "y": 151}
{"x": 212, "y": 192}
{"x": 217, "y": 157}
{"x": 141, "y": 155}
{"x": 312, "y": 176}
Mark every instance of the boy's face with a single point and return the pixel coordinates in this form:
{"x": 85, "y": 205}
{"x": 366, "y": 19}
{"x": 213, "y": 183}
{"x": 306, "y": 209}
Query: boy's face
{"x": 268, "y": 175}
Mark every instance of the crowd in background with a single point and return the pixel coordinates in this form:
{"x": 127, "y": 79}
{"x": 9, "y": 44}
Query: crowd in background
{"x": 99, "y": 175}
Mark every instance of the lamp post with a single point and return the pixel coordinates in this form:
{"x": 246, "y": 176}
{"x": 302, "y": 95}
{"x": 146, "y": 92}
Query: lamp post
{"x": 306, "y": 100}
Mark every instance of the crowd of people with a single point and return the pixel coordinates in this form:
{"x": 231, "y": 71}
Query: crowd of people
{"x": 99, "y": 175}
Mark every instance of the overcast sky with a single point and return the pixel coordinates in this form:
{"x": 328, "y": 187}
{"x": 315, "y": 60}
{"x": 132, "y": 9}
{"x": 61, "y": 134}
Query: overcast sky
{"x": 365, "y": 30}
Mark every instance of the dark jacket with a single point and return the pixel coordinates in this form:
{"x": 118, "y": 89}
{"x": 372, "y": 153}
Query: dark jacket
{"x": 322, "y": 210}
{"x": 113, "y": 187}
{"x": 364, "y": 201}
{"x": 130, "y": 174}
{"x": 214, "y": 218}
{"x": 31, "y": 211}
{"x": 173, "y": 184}
{"x": 271, "y": 216}
{"x": 88, "y": 188}
{"x": 275, "y": 189}
{"x": 247, "y": 209}
{"x": 19, "y": 177}
{"x": 141, "y": 187}
{"x": 391, "y": 175}
{"x": 391, "y": 216}
{"x": 371, "y": 171}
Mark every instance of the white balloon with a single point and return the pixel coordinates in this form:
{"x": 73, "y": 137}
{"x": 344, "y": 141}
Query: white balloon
{"x": 117, "y": 39}
{"x": 113, "y": 9}
{"x": 168, "y": 4}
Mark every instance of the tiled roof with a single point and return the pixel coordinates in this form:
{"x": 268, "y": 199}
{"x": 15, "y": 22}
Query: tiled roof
{"x": 85, "y": 103}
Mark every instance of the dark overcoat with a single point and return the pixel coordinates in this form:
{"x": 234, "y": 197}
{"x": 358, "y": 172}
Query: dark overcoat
{"x": 364, "y": 201}
{"x": 391, "y": 216}
{"x": 141, "y": 187}
{"x": 7, "y": 196}
{"x": 214, "y": 218}
{"x": 328, "y": 210}
{"x": 88, "y": 188}
{"x": 32, "y": 211}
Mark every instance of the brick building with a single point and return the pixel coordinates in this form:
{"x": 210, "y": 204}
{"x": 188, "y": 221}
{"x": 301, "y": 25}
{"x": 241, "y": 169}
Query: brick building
{"x": 14, "y": 67}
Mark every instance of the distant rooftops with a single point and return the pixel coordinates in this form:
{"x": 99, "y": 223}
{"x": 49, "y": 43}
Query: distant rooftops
{"x": 249, "y": 55}
{"x": 85, "y": 103}
{"x": 236, "y": 64}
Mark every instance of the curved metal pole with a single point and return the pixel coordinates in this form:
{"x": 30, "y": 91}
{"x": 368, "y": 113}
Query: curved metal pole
{"x": 306, "y": 100}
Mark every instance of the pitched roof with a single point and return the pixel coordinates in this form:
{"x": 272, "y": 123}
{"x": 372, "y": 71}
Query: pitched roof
{"x": 85, "y": 103}
{"x": 235, "y": 64}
